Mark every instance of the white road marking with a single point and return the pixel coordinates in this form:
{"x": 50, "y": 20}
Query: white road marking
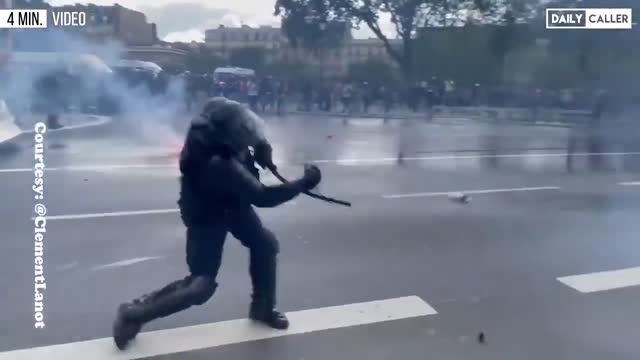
{"x": 603, "y": 281}
{"x": 382, "y": 160}
{"x": 205, "y": 336}
{"x": 128, "y": 213}
{"x": 630, "y": 183}
{"x": 67, "y": 266}
{"x": 125, "y": 262}
{"x": 111, "y": 214}
{"x": 93, "y": 167}
{"x": 18, "y": 170}
{"x": 467, "y": 157}
{"x": 470, "y": 192}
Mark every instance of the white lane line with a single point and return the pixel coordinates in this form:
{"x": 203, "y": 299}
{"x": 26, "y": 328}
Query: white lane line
{"x": 18, "y": 170}
{"x": 381, "y": 160}
{"x": 93, "y": 167}
{"x": 67, "y": 266}
{"x": 470, "y": 192}
{"x": 630, "y": 183}
{"x": 128, "y": 213}
{"x": 467, "y": 157}
{"x": 199, "y": 337}
{"x": 111, "y": 214}
{"x": 603, "y": 281}
{"x": 126, "y": 262}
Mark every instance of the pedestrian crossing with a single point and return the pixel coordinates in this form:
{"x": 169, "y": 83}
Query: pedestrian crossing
{"x": 205, "y": 336}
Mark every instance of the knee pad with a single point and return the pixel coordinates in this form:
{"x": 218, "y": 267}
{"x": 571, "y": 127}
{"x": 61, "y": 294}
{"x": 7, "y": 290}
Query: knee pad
{"x": 202, "y": 289}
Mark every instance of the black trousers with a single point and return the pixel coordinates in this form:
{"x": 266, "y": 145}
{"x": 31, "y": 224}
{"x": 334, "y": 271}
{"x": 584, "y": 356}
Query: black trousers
{"x": 204, "y": 255}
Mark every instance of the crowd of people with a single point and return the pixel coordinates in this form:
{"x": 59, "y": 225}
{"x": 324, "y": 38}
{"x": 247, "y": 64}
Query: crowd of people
{"x": 268, "y": 94}
{"x": 272, "y": 95}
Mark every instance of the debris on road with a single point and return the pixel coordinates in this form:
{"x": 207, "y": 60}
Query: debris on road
{"x": 481, "y": 338}
{"x": 460, "y": 198}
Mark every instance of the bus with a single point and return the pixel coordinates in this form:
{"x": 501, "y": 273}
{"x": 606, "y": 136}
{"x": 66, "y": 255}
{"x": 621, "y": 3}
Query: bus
{"x": 141, "y": 73}
{"x": 230, "y": 81}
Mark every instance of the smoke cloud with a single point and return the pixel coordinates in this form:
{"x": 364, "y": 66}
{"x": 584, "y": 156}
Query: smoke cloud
{"x": 85, "y": 82}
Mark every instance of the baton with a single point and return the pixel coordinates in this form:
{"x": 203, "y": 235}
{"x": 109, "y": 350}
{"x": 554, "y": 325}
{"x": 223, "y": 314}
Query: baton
{"x": 275, "y": 173}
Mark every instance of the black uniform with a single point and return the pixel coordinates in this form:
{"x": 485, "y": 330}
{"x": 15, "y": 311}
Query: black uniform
{"x": 219, "y": 187}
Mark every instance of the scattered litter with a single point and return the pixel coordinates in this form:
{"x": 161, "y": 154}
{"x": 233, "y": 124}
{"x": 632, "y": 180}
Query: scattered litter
{"x": 481, "y": 338}
{"x": 460, "y": 198}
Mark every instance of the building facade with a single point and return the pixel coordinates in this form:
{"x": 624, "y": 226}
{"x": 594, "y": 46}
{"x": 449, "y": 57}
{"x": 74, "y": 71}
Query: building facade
{"x": 166, "y": 57}
{"x": 114, "y": 23}
{"x": 224, "y": 40}
{"x": 6, "y": 42}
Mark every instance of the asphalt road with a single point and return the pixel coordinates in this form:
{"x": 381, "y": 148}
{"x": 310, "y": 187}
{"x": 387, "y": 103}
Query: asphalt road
{"x": 489, "y": 266}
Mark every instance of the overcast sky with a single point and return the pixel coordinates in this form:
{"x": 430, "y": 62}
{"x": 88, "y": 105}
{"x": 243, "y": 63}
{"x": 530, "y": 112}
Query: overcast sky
{"x": 186, "y": 20}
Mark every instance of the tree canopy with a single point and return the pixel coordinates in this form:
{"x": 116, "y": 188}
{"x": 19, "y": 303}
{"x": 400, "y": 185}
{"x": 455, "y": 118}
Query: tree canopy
{"x": 254, "y": 58}
{"x": 407, "y": 16}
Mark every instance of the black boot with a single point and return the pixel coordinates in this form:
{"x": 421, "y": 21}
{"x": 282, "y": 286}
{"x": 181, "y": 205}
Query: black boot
{"x": 125, "y": 329}
{"x": 263, "y": 275}
{"x": 264, "y": 312}
{"x": 262, "y": 268}
{"x": 171, "y": 299}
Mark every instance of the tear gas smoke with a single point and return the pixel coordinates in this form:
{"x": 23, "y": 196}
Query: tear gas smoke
{"x": 85, "y": 82}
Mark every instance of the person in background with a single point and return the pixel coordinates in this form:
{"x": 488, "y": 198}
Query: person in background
{"x": 281, "y": 94}
{"x": 347, "y": 97}
{"x": 253, "y": 95}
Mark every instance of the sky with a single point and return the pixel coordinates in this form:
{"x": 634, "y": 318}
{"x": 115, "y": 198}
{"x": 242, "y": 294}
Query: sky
{"x": 186, "y": 20}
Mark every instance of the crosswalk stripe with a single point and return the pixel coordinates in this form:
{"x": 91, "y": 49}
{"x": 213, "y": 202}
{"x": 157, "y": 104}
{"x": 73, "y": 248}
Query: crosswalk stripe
{"x": 603, "y": 281}
{"x": 199, "y": 337}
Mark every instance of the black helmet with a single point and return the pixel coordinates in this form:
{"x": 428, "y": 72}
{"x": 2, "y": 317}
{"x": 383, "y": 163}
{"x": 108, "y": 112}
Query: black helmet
{"x": 233, "y": 124}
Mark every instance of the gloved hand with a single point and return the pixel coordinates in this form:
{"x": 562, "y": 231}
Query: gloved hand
{"x": 312, "y": 177}
{"x": 263, "y": 155}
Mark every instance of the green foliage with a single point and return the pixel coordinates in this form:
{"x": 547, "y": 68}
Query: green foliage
{"x": 254, "y": 58}
{"x": 372, "y": 71}
{"x": 201, "y": 62}
{"x": 503, "y": 46}
{"x": 290, "y": 70}
{"x": 308, "y": 24}
{"x": 407, "y": 16}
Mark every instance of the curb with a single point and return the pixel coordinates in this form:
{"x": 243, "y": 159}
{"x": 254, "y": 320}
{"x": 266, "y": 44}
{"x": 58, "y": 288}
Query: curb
{"x": 358, "y": 115}
{"x": 14, "y": 144}
{"x": 425, "y": 117}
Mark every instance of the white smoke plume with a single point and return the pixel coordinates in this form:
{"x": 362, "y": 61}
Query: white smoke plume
{"x": 145, "y": 115}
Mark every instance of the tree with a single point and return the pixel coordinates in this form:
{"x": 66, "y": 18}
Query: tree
{"x": 457, "y": 53}
{"x": 305, "y": 28}
{"x": 290, "y": 70}
{"x": 202, "y": 61}
{"x": 406, "y": 15}
{"x": 373, "y": 71}
{"x": 254, "y": 58}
